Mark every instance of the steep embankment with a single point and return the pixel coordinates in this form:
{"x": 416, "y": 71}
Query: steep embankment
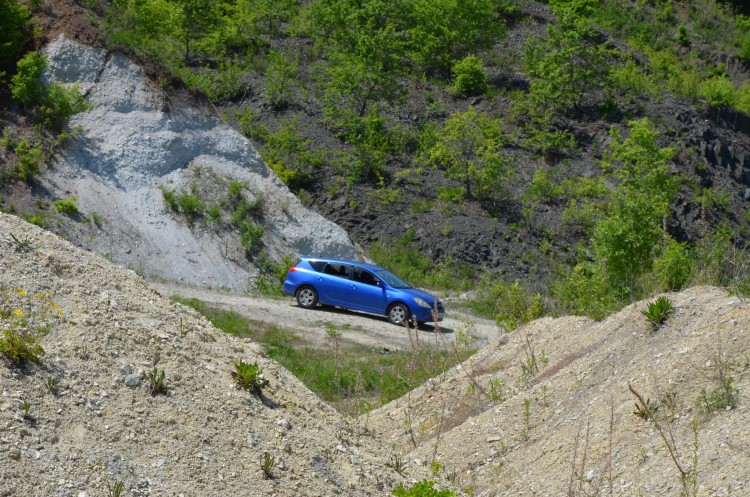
{"x": 501, "y": 427}
{"x": 99, "y": 425}
{"x": 137, "y": 140}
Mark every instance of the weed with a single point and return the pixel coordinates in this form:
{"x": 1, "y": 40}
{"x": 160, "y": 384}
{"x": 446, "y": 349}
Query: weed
{"x": 115, "y": 489}
{"x": 647, "y": 411}
{"x": 658, "y": 311}
{"x": 396, "y": 463}
{"x": 724, "y": 396}
{"x": 249, "y": 376}
{"x": 423, "y": 488}
{"x": 495, "y": 390}
{"x": 22, "y": 244}
{"x": 267, "y": 462}
{"x": 51, "y": 385}
{"x": 544, "y": 396}
{"x": 27, "y": 410}
{"x": 97, "y": 218}
{"x": 435, "y": 468}
{"x": 156, "y": 381}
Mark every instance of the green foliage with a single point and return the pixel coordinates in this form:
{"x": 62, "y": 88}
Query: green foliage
{"x": 648, "y": 411}
{"x": 249, "y": 376}
{"x": 271, "y": 280}
{"x": 279, "y": 77}
{"x": 422, "y": 488}
{"x": 674, "y": 267}
{"x": 156, "y": 381}
{"x": 60, "y": 103}
{"x": 291, "y": 156}
{"x": 251, "y": 237}
{"x": 468, "y": 149}
{"x": 26, "y": 85}
{"x": 658, "y": 311}
{"x": 14, "y": 29}
{"x": 510, "y": 304}
{"x": 19, "y": 347}
{"x": 469, "y": 76}
{"x": 718, "y": 91}
{"x": 67, "y": 206}
{"x": 115, "y": 489}
{"x": 724, "y": 396}
{"x": 626, "y": 240}
{"x": 30, "y": 159}
{"x": 267, "y": 462}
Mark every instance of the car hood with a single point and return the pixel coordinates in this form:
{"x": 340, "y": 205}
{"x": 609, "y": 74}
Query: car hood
{"x": 413, "y": 292}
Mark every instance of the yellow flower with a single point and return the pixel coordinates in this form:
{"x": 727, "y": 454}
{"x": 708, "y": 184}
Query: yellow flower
{"x": 19, "y": 313}
{"x": 21, "y": 293}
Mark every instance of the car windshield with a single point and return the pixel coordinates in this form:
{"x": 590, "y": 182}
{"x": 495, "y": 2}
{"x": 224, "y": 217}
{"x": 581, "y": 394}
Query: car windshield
{"x": 392, "y": 279}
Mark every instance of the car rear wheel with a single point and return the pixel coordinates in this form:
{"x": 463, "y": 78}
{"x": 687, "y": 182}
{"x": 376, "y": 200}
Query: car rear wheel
{"x": 398, "y": 314}
{"x": 307, "y": 297}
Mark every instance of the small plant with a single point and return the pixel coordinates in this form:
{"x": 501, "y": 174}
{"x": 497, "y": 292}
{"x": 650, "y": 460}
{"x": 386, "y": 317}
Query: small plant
{"x": 495, "y": 391}
{"x": 397, "y": 464}
{"x": 67, "y": 207}
{"x": 22, "y": 244}
{"x": 20, "y": 348}
{"x": 115, "y": 489}
{"x": 658, "y": 311}
{"x": 249, "y": 376}
{"x": 156, "y": 381}
{"x": 27, "y": 410}
{"x": 722, "y": 397}
{"x": 51, "y": 385}
{"x": 267, "y": 461}
{"x": 646, "y": 411}
{"x": 435, "y": 468}
{"x": 423, "y": 488}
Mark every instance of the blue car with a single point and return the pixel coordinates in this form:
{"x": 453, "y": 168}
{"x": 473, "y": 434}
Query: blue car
{"x": 361, "y": 287}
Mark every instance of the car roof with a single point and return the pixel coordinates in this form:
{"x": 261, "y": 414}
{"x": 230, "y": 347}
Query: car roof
{"x": 364, "y": 265}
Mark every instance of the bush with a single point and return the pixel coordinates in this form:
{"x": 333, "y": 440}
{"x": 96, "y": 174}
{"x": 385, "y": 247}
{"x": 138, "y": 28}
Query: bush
{"x": 20, "y": 348}
{"x": 67, "y": 207}
{"x": 469, "y": 76}
{"x": 60, "y": 103}
{"x": 14, "y": 24}
{"x": 26, "y": 86}
{"x": 718, "y": 91}
{"x": 29, "y": 160}
{"x": 673, "y": 267}
{"x": 421, "y": 489}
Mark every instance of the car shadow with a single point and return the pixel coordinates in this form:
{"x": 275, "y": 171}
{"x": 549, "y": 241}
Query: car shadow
{"x": 426, "y": 327}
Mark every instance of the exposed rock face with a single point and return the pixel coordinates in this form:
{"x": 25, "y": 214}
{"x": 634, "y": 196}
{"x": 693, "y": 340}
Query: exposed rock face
{"x": 136, "y": 140}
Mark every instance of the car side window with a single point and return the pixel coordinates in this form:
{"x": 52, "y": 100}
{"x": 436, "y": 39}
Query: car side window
{"x": 365, "y": 277}
{"x": 340, "y": 270}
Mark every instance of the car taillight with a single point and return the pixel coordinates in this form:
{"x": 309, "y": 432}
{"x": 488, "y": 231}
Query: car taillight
{"x": 292, "y": 269}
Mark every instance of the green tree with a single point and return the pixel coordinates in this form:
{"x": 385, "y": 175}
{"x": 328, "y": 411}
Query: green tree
{"x": 14, "y": 27}
{"x": 468, "y": 148}
{"x": 26, "y": 85}
{"x": 279, "y": 77}
{"x": 628, "y": 239}
{"x": 469, "y": 76}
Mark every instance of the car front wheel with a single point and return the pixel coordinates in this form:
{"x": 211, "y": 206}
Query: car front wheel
{"x": 398, "y": 314}
{"x": 307, "y": 297}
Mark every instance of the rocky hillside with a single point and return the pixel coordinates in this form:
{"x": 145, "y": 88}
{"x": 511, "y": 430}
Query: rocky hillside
{"x": 543, "y": 411}
{"x": 91, "y": 421}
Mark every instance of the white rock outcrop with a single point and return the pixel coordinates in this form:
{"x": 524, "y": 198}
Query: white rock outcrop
{"x": 134, "y": 140}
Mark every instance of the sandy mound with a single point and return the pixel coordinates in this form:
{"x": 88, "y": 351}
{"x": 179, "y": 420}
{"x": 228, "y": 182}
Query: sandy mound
{"x": 101, "y": 425}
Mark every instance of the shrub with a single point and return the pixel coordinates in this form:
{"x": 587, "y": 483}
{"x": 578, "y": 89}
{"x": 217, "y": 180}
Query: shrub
{"x": 469, "y": 76}
{"x": 673, "y": 267}
{"x": 60, "y": 103}
{"x": 421, "y": 489}
{"x": 20, "y": 348}
{"x": 658, "y": 311}
{"x": 251, "y": 237}
{"x": 722, "y": 397}
{"x": 718, "y": 91}
{"x": 156, "y": 381}
{"x": 67, "y": 206}
{"x": 249, "y": 376}
{"x": 26, "y": 86}
{"x": 29, "y": 160}
{"x": 516, "y": 305}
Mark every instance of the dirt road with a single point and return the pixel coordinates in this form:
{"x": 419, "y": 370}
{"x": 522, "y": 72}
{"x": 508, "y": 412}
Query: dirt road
{"x": 356, "y": 328}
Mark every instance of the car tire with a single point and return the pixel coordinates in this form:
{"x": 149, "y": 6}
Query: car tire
{"x": 307, "y": 297}
{"x": 398, "y": 314}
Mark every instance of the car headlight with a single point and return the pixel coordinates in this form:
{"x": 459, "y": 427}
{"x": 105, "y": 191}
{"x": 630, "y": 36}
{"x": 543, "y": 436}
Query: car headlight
{"x": 422, "y": 303}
